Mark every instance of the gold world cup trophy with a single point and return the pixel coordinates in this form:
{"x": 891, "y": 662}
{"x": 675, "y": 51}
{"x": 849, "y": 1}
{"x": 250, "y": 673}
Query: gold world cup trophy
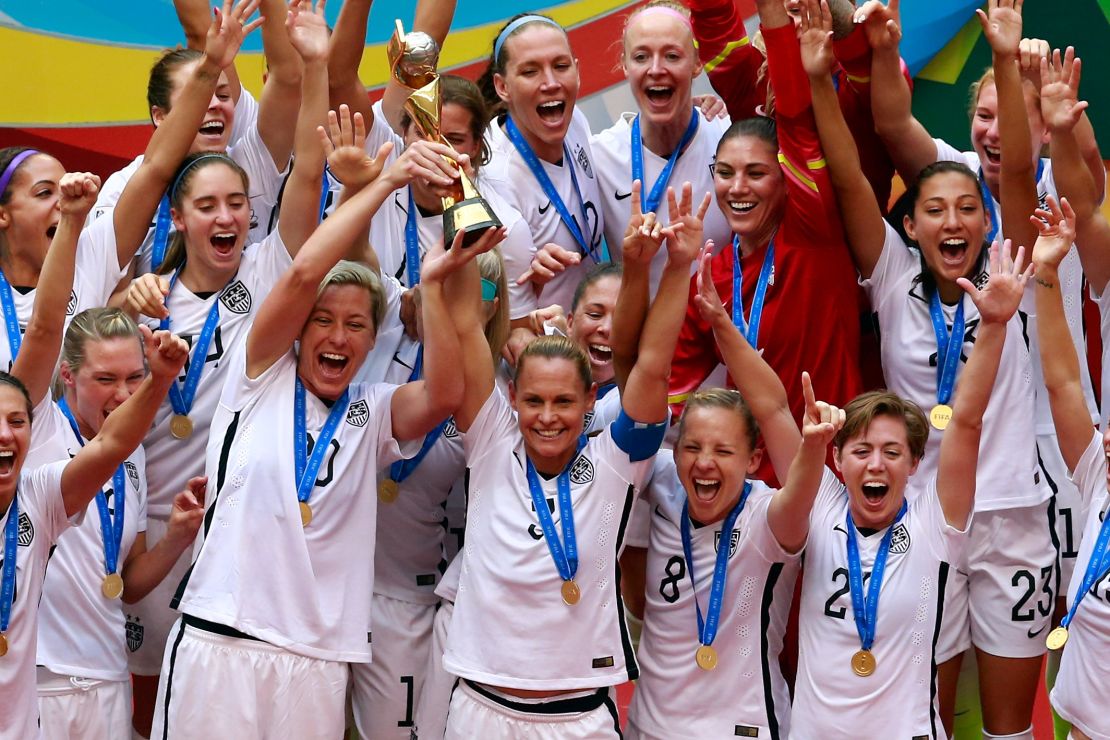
{"x": 413, "y": 58}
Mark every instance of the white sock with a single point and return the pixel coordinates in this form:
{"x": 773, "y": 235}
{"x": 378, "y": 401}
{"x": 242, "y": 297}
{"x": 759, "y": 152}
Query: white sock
{"x": 1023, "y": 735}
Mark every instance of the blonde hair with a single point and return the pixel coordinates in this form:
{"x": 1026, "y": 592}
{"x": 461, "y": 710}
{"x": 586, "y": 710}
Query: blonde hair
{"x": 492, "y": 268}
{"x": 96, "y": 325}
{"x": 555, "y": 347}
{"x": 721, "y": 398}
{"x": 346, "y": 272}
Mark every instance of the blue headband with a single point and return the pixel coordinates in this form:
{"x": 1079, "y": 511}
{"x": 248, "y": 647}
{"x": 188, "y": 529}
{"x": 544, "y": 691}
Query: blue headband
{"x": 489, "y": 290}
{"x": 508, "y": 30}
{"x": 9, "y": 171}
{"x": 192, "y": 163}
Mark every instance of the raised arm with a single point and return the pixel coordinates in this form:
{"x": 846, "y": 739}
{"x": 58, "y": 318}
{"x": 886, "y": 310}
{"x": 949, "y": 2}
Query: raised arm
{"x": 195, "y": 17}
{"x": 1063, "y": 114}
{"x": 346, "y": 46}
{"x": 287, "y": 307}
{"x": 788, "y": 512}
{"x": 860, "y": 213}
{"x": 300, "y": 206}
{"x": 434, "y": 18}
{"x": 634, "y": 295}
{"x": 281, "y": 94}
{"x": 175, "y": 133}
{"x": 731, "y": 62}
{"x": 125, "y": 427}
{"x": 959, "y": 449}
{"x": 144, "y": 569}
{"x": 1058, "y": 358}
{"x": 1017, "y": 187}
{"x": 38, "y": 354}
{"x": 909, "y": 144}
{"x": 417, "y": 407}
{"x": 757, "y": 382}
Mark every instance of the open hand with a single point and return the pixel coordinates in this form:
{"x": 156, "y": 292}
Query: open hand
{"x": 998, "y": 301}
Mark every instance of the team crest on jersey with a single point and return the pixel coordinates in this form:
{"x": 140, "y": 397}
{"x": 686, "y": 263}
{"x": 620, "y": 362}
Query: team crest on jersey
{"x": 26, "y": 530}
{"x": 236, "y": 297}
{"x": 134, "y": 630}
{"x": 587, "y": 420}
{"x": 733, "y": 541}
{"x": 900, "y": 539}
{"x": 132, "y": 473}
{"x": 449, "y": 429}
{"x": 71, "y": 307}
{"x": 582, "y": 471}
{"x": 358, "y": 413}
{"x": 583, "y": 160}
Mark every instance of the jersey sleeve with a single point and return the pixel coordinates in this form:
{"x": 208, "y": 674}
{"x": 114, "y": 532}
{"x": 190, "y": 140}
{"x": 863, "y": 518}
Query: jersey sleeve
{"x": 696, "y": 354}
{"x": 265, "y": 262}
{"x": 517, "y": 250}
{"x": 246, "y": 116}
{"x": 731, "y": 61}
{"x": 380, "y": 133}
{"x": 493, "y": 428}
{"x": 813, "y": 217}
{"x": 253, "y": 156}
{"x": 948, "y": 153}
{"x": 895, "y": 259}
{"x": 605, "y": 450}
{"x": 1089, "y": 475}
{"x": 830, "y": 496}
{"x": 638, "y": 440}
{"x": 759, "y": 529}
{"x": 240, "y": 391}
{"x": 950, "y": 541}
{"x": 97, "y": 261}
{"x": 389, "y": 449}
{"x": 42, "y": 498}
{"x": 638, "y": 531}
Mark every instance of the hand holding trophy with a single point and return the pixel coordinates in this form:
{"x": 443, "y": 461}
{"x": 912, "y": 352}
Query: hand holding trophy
{"x": 413, "y": 58}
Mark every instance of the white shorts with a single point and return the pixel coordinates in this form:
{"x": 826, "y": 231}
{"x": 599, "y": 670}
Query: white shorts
{"x": 150, "y": 619}
{"x": 431, "y": 709}
{"x": 477, "y": 712}
{"x": 214, "y": 686}
{"x": 384, "y": 693}
{"x": 1001, "y": 599}
{"x": 1066, "y": 512}
{"x": 73, "y": 708}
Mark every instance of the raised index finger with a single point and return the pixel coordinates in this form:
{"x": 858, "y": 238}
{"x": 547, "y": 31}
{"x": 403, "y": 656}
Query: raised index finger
{"x": 807, "y": 394}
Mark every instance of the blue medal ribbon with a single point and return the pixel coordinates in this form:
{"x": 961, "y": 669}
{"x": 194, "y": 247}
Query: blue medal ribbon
{"x": 552, "y": 194}
{"x": 402, "y": 469}
{"x": 111, "y": 531}
{"x": 866, "y": 611}
{"x": 707, "y": 627}
{"x": 750, "y": 329}
{"x": 604, "y": 390}
{"x": 650, "y": 201}
{"x": 11, "y": 318}
{"x": 181, "y": 397}
{"x": 11, "y": 550}
{"x": 324, "y": 189}
{"x": 565, "y": 554}
{"x": 412, "y": 244}
{"x": 1097, "y": 567}
{"x": 308, "y": 469}
{"x": 949, "y": 346}
{"x": 161, "y": 234}
{"x": 988, "y": 202}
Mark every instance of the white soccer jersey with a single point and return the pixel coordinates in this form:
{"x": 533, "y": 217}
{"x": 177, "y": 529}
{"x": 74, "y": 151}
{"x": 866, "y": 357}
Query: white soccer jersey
{"x": 258, "y": 570}
{"x": 1071, "y": 288}
{"x": 510, "y": 177}
{"x": 172, "y": 461}
{"x": 81, "y": 633}
{"x": 1080, "y": 691}
{"x": 612, "y": 150}
{"x": 899, "y": 698}
{"x": 746, "y": 694}
{"x": 1104, "y": 330}
{"x": 411, "y": 528}
{"x": 510, "y": 626}
{"x": 42, "y": 518}
{"x": 246, "y": 116}
{"x": 96, "y": 272}
{"x": 249, "y": 152}
{"x": 1007, "y": 475}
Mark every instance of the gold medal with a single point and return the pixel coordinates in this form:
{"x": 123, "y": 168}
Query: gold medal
{"x": 571, "y": 593}
{"x": 940, "y": 416}
{"x": 388, "y": 490}
{"x": 112, "y": 586}
{"x": 1057, "y": 638}
{"x": 3, "y": 644}
{"x": 306, "y": 513}
{"x": 181, "y": 426}
{"x": 863, "y": 663}
{"x": 706, "y": 657}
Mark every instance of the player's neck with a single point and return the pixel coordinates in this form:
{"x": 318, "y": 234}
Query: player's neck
{"x": 426, "y": 201}
{"x": 550, "y": 466}
{"x": 662, "y": 139}
{"x": 84, "y": 427}
{"x": 950, "y": 292}
{"x": 199, "y": 278}
{"x": 6, "y": 497}
{"x": 20, "y": 268}
{"x": 548, "y": 151}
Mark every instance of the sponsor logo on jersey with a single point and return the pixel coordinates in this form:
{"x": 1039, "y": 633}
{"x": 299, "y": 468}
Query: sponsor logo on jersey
{"x": 236, "y": 297}
{"x": 734, "y": 540}
{"x": 358, "y": 413}
{"x": 900, "y": 540}
{"x": 450, "y": 431}
{"x": 134, "y": 630}
{"x": 71, "y": 307}
{"x": 132, "y": 473}
{"x": 582, "y": 471}
{"x": 26, "y": 530}
{"x": 583, "y": 160}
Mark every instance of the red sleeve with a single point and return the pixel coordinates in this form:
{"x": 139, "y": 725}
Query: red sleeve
{"x": 731, "y": 62}
{"x": 812, "y": 215}
{"x": 696, "y": 354}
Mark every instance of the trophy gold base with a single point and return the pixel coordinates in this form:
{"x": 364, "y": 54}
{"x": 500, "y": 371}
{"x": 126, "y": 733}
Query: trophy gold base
{"x": 472, "y": 216}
